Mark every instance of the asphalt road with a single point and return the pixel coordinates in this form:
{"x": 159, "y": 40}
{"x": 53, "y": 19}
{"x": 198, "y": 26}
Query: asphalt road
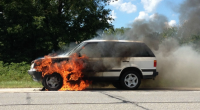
{"x": 101, "y": 99}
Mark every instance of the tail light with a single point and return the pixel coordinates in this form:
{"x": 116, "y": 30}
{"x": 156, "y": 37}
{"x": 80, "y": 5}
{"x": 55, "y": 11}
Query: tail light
{"x": 155, "y": 63}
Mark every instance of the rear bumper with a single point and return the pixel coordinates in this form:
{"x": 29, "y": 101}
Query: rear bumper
{"x": 155, "y": 73}
{"x": 37, "y": 76}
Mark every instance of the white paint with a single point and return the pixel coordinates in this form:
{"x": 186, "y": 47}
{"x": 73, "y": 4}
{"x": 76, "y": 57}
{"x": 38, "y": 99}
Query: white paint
{"x": 147, "y": 73}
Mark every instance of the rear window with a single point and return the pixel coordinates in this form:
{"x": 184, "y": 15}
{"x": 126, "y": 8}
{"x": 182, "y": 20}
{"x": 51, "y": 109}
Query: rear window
{"x": 116, "y": 49}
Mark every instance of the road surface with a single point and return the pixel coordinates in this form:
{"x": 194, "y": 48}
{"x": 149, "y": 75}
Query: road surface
{"x": 101, "y": 99}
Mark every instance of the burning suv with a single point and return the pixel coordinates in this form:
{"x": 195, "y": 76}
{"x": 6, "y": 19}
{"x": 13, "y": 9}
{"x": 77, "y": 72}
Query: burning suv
{"x": 122, "y": 62}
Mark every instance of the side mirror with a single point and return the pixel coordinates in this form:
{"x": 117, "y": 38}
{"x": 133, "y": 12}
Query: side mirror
{"x": 79, "y": 54}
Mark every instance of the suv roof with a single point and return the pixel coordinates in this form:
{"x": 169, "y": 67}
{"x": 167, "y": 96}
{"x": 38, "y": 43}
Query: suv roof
{"x": 112, "y": 41}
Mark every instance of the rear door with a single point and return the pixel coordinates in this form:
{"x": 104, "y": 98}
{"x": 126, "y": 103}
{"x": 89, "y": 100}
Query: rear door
{"x": 111, "y": 52}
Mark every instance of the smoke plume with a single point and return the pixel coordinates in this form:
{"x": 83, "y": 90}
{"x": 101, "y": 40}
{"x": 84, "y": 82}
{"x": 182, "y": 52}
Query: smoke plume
{"x": 177, "y": 63}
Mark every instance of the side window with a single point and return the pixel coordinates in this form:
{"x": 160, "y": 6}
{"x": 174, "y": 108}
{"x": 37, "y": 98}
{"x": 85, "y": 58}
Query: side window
{"x": 141, "y": 50}
{"x": 129, "y": 49}
{"x": 106, "y": 49}
{"x": 91, "y": 50}
{"x": 115, "y": 49}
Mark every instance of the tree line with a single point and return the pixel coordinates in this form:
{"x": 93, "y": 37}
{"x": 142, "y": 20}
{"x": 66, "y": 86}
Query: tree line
{"x": 33, "y": 28}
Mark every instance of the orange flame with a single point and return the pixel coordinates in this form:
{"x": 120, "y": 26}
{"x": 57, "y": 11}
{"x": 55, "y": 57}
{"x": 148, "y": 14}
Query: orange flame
{"x": 73, "y": 66}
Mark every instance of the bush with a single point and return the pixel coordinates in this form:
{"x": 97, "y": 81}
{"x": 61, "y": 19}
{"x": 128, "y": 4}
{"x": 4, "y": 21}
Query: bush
{"x": 14, "y": 71}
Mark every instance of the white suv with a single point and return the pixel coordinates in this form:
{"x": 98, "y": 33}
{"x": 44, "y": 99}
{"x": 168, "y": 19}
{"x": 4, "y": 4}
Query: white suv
{"x": 122, "y": 62}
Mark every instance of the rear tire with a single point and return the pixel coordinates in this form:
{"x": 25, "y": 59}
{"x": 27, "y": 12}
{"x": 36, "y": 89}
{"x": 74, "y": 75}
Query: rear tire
{"x": 117, "y": 85}
{"x": 53, "y": 82}
{"x": 130, "y": 80}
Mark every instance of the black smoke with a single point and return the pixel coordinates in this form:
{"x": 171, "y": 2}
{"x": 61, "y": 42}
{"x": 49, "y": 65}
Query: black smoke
{"x": 178, "y": 63}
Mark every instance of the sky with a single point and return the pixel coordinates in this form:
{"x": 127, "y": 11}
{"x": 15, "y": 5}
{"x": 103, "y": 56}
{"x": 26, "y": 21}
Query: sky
{"x": 126, "y": 12}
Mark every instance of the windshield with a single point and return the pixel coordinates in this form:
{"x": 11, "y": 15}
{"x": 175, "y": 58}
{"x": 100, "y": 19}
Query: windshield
{"x": 74, "y": 49}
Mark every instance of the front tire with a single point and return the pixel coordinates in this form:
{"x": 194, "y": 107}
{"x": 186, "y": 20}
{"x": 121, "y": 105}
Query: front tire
{"x": 53, "y": 82}
{"x": 130, "y": 80}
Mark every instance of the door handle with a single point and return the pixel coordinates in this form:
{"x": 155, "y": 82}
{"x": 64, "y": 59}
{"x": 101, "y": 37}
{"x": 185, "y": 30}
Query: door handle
{"x": 125, "y": 61}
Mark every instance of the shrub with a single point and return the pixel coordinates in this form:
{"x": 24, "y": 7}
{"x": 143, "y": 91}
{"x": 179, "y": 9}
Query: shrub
{"x": 14, "y": 71}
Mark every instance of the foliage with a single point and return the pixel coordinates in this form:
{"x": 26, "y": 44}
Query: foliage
{"x": 14, "y": 71}
{"x": 34, "y": 28}
{"x": 19, "y": 84}
{"x": 169, "y": 32}
{"x": 112, "y": 31}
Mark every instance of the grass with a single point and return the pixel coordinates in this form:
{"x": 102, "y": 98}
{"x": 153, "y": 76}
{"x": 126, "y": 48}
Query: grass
{"x": 15, "y": 75}
{"x": 20, "y": 84}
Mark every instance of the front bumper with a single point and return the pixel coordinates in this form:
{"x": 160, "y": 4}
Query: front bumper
{"x": 37, "y": 76}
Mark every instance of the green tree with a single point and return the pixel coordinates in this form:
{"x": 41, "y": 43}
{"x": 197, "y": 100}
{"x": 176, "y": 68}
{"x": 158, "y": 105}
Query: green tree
{"x": 169, "y": 32}
{"x": 112, "y": 31}
{"x": 33, "y": 28}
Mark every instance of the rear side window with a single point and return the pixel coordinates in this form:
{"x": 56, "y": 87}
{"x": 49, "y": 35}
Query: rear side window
{"x": 116, "y": 49}
{"x": 124, "y": 49}
{"x": 142, "y": 50}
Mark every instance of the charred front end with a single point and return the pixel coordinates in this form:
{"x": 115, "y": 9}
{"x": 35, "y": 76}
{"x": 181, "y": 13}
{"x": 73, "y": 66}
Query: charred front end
{"x": 36, "y": 75}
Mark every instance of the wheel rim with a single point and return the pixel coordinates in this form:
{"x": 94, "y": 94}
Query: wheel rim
{"x": 131, "y": 80}
{"x": 53, "y": 81}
